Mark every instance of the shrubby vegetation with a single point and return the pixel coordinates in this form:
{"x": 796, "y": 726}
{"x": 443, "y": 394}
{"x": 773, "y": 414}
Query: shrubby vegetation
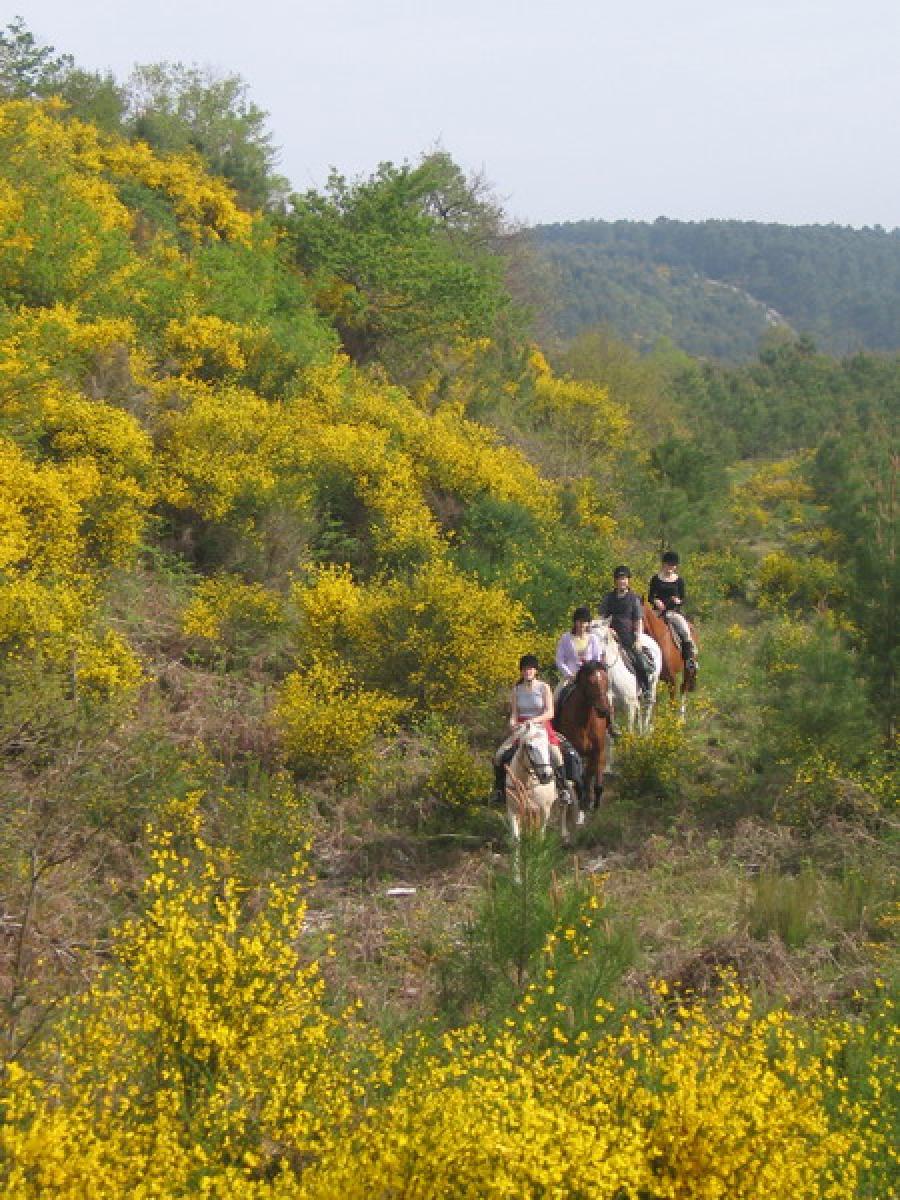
{"x": 279, "y": 512}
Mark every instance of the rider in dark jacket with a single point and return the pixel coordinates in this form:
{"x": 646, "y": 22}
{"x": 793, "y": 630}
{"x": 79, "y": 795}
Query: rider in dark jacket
{"x": 623, "y": 607}
{"x": 667, "y": 594}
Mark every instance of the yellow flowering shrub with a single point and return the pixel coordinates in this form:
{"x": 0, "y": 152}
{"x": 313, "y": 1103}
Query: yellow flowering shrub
{"x": 107, "y": 668}
{"x": 204, "y": 1061}
{"x": 444, "y": 639}
{"x": 653, "y": 767}
{"x": 458, "y": 777}
{"x": 329, "y": 722}
{"x": 202, "y": 1053}
{"x": 221, "y": 452}
{"x": 704, "y": 1102}
{"x": 785, "y": 581}
{"x": 330, "y": 608}
{"x": 206, "y": 346}
{"x": 227, "y": 610}
{"x": 773, "y": 491}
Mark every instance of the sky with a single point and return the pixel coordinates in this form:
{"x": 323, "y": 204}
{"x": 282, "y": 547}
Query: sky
{"x": 769, "y": 110}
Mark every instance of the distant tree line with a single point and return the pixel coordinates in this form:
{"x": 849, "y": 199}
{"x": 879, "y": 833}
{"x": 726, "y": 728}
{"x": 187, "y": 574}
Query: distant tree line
{"x": 714, "y": 287}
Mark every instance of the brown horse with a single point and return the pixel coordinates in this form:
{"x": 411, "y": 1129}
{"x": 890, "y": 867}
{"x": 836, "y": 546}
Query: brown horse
{"x": 583, "y": 718}
{"x": 673, "y": 668}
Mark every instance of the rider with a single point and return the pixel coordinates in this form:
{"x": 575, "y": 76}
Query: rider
{"x": 623, "y": 607}
{"x": 578, "y": 646}
{"x": 666, "y": 594}
{"x": 531, "y": 700}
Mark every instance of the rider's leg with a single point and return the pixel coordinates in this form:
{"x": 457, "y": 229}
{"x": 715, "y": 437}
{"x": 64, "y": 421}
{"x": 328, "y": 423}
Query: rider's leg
{"x": 640, "y": 668}
{"x": 502, "y": 759}
{"x": 688, "y": 649}
{"x": 559, "y": 770}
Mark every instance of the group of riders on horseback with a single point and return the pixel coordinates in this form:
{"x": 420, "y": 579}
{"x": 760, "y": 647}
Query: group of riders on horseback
{"x": 582, "y": 655}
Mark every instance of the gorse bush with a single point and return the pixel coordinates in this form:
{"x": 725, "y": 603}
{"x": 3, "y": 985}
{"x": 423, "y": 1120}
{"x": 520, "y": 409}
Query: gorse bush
{"x": 653, "y": 769}
{"x": 329, "y": 722}
{"x": 203, "y": 1061}
{"x": 458, "y": 778}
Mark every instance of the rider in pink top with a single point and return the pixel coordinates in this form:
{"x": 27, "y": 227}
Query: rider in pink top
{"x": 578, "y": 646}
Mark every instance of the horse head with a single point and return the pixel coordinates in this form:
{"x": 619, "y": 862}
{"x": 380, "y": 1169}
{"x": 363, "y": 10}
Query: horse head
{"x": 535, "y": 743}
{"x": 592, "y": 681}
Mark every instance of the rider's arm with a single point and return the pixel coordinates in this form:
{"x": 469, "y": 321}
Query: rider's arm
{"x": 653, "y": 596}
{"x": 678, "y": 598}
{"x": 547, "y": 714}
{"x": 514, "y": 710}
{"x": 638, "y": 620}
{"x": 564, "y": 660}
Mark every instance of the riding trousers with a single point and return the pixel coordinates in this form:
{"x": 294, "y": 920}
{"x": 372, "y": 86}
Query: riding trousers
{"x": 680, "y": 625}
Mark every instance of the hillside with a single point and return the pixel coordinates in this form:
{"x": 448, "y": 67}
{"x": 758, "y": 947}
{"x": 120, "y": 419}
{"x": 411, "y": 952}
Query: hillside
{"x": 715, "y": 287}
{"x": 284, "y": 495}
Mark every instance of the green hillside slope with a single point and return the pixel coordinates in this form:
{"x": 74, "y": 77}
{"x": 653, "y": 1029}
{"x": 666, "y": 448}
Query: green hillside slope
{"x": 714, "y": 287}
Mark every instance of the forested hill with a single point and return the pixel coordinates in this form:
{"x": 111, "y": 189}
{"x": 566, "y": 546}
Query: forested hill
{"x": 714, "y": 287}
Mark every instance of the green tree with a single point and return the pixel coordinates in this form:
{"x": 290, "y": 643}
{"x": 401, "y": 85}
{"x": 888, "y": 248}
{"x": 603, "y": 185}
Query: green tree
{"x": 28, "y": 68}
{"x": 405, "y": 260}
{"x": 176, "y": 107}
{"x": 856, "y": 478}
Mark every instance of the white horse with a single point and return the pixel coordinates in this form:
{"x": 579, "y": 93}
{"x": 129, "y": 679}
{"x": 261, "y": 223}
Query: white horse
{"x": 531, "y": 782}
{"x": 622, "y": 681}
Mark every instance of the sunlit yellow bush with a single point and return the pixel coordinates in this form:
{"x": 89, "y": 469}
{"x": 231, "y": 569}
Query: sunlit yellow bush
{"x": 773, "y": 491}
{"x": 458, "y": 777}
{"x": 197, "y": 1056}
{"x": 224, "y": 609}
{"x": 654, "y": 768}
{"x": 107, "y": 668}
{"x": 705, "y": 1102}
{"x": 785, "y": 581}
{"x": 329, "y": 723}
{"x": 331, "y": 616}
{"x": 442, "y": 639}
{"x": 204, "y": 1061}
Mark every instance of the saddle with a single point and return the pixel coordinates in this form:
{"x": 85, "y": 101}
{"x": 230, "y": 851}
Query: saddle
{"x": 628, "y": 655}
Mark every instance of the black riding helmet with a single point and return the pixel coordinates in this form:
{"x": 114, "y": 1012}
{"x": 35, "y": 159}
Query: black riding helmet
{"x": 582, "y": 613}
{"x": 670, "y": 558}
{"x": 622, "y": 573}
{"x": 529, "y": 660}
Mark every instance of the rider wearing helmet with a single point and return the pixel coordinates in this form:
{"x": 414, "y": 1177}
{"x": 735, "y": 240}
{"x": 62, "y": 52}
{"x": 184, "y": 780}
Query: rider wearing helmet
{"x": 666, "y": 594}
{"x": 578, "y": 646}
{"x": 623, "y": 607}
{"x": 531, "y": 700}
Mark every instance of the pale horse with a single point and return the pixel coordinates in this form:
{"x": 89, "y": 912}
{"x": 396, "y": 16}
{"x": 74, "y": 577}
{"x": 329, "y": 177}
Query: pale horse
{"x": 531, "y": 782}
{"x": 622, "y": 681}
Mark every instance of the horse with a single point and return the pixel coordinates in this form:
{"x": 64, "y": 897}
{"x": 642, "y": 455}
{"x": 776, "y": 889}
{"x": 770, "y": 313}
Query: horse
{"x": 673, "y": 667}
{"x": 531, "y": 782}
{"x": 622, "y": 680}
{"x": 583, "y": 718}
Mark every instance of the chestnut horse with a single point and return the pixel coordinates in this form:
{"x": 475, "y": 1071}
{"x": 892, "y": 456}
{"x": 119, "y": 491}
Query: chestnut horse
{"x": 673, "y": 667}
{"x": 583, "y": 718}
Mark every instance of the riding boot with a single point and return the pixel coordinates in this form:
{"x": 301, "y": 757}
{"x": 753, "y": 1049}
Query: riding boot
{"x": 611, "y": 727}
{"x": 562, "y": 786}
{"x": 689, "y": 654}
{"x": 500, "y": 783}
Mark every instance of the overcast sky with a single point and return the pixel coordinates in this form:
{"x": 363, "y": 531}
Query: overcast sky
{"x": 773, "y": 110}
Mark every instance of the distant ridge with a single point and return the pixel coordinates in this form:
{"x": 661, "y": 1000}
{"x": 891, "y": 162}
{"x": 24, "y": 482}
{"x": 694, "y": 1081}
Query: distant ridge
{"x": 715, "y": 287}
